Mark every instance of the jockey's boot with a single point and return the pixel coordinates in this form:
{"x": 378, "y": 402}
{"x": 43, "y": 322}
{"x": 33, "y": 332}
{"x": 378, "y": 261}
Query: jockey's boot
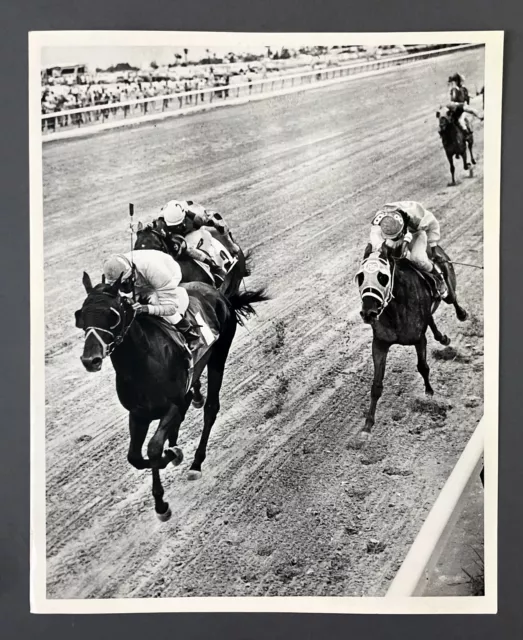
{"x": 217, "y": 272}
{"x": 191, "y": 337}
{"x": 440, "y": 281}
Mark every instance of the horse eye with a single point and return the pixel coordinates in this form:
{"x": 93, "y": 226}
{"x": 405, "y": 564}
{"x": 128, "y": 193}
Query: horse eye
{"x": 383, "y": 279}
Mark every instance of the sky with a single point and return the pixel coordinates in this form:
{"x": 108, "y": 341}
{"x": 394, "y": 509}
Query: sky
{"x": 103, "y": 57}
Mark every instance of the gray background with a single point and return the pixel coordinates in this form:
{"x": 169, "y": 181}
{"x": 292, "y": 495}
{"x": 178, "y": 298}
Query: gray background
{"x": 19, "y": 17}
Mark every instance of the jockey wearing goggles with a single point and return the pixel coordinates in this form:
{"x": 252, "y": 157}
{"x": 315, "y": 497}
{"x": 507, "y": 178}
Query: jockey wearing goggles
{"x": 157, "y": 277}
{"x": 410, "y": 224}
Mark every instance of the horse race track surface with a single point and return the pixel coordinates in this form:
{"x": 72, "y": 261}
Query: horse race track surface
{"x": 285, "y": 506}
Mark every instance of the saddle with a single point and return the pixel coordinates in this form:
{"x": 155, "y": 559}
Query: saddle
{"x": 201, "y": 325}
{"x": 431, "y": 282}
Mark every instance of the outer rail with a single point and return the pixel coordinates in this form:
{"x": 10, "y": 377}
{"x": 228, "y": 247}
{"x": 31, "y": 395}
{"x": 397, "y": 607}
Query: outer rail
{"x": 413, "y": 576}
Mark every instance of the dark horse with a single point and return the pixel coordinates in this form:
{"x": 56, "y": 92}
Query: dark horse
{"x": 154, "y": 237}
{"x": 455, "y": 142}
{"x": 153, "y": 368}
{"x": 399, "y": 303}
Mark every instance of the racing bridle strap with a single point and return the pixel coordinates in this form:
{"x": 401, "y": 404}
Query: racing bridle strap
{"x": 109, "y": 347}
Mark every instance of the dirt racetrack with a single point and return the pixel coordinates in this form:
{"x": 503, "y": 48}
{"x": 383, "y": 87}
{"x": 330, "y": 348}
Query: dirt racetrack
{"x": 285, "y": 506}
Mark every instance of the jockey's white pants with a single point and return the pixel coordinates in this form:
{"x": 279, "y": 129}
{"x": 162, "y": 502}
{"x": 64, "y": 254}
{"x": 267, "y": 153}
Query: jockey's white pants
{"x": 418, "y": 251}
{"x": 181, "y": 299}
{"x": 465, "y": 122}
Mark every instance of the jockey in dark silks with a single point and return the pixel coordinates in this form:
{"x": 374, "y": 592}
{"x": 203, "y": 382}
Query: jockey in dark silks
{"x": 183, "y": 217}
{"x": 459, "y": 105}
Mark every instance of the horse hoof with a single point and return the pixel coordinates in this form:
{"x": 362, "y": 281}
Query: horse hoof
{"x": 198, "y": 404}
{"x": 194, "y": 475}
{"x": 163, "y": 517}
{"x": 445, "y": 341}
{"x": 429, "y": 391}
{"x": 178, "y": 456}
{"x": 462, "y": 315}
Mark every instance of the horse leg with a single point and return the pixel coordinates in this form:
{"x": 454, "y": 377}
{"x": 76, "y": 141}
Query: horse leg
{"x": 440, "y": 337}
{"x": 138, "y": 431}
{"x": 452, "y": 298}
{"x": 380, "y": 350}
{"x": 159, "y": 461}
{"x": 423, "y": 367}
{"x": 215, "y": 370}
{"x": 452, "y": 169}
{"x": 464, "y": 156}
{"x": 470, "y": 143}
{"x": 198, "y": 399}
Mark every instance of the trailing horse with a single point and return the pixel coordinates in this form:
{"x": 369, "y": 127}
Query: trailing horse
{"x": 153, "y": 236}
{"x": 455, "y": 142}
{"x": 399, "y": 302}
{"x": 154, "y": 371}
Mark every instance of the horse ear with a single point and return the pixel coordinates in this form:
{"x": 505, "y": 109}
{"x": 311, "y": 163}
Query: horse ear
{"x": 160, "y": 224}
{"x": 103, "y": 278}
{"x": 437, "y": 114}
{"x": 140, "y": 226}
{"x": 78, "y": 319}
{"x": 86, "y": 281}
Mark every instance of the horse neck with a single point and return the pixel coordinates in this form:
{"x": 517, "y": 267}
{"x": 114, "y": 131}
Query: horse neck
{"x": 137, "y": 350}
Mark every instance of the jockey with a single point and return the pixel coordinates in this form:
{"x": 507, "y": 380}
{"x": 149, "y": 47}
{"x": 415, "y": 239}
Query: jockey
{"x": 410, "y": 223}
{"x": 459, "y": 104}
{"x": 184, "y": 216}
{"x": 156, "y": 277}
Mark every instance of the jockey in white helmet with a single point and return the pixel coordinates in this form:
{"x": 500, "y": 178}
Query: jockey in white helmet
{"x": 184, "y": 216}
{"x": 156, "y": 277}
{"x": 411, "y": 223}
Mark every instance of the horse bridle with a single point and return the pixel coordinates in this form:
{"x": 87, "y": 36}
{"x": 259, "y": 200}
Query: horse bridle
{"x": 109, "y": 347}
{"x": 167, "y": 242}
{"x": 384, "y": 300}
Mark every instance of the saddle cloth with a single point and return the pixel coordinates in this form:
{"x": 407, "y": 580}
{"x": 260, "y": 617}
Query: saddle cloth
{"x": 200, "y": 324}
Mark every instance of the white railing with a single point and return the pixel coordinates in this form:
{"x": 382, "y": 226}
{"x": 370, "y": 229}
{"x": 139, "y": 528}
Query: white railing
{"x": 414, "y": 574}
{"x": 174, "y": 102}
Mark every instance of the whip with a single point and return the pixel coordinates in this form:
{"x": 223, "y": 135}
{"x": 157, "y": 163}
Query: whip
{"x": 465, "y": 264}
{"x": 131, "y": 226}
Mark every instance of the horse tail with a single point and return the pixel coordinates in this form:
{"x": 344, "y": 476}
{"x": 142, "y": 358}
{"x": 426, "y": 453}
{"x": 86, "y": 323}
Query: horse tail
{"x": 241, "y": 303}
{"x": 248, "y": 263}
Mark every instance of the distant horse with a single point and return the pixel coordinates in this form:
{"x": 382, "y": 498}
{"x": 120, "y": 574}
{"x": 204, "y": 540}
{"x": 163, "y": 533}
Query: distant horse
{"x": 154, "y": 371}
{"x": 153, "y": 236}
{"x": 455, "y": 142}
{"x": 398, "y": 301}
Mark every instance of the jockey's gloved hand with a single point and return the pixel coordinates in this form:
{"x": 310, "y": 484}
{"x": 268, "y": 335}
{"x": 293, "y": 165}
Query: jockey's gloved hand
{"x": 140, "y": 308}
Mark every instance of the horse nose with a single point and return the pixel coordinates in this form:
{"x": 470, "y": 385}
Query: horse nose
{"x": 92, "y": 363}
{"x": 369, "y": 316}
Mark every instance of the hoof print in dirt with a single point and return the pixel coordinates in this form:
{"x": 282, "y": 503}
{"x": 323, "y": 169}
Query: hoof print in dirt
{"x": 450, "y": 354}
{"x": 430, "y": 407}
{"x": 308, "y": 449}
{"x": 375, "y": 546}
{"x": 273, "y": 510}
{"x": 473, "y": 401}
{"x": 351, "y": 529}
{"x": 373, "y": 455}
{"x": 396, "y": 471}
{"x": 84, "y": 438}
{"x": 358, "y": 493}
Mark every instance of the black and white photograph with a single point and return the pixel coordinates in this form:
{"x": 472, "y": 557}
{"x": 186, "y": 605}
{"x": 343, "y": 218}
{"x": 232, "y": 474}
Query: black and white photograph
{"x": 264, "y": 309}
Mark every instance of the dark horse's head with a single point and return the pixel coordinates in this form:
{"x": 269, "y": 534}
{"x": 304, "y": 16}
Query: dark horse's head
{"x": 445, "y": 119}
{"x": 105, "y": 317}
{"x": 152, "y": 236}
{"x": 375, "y": 282}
